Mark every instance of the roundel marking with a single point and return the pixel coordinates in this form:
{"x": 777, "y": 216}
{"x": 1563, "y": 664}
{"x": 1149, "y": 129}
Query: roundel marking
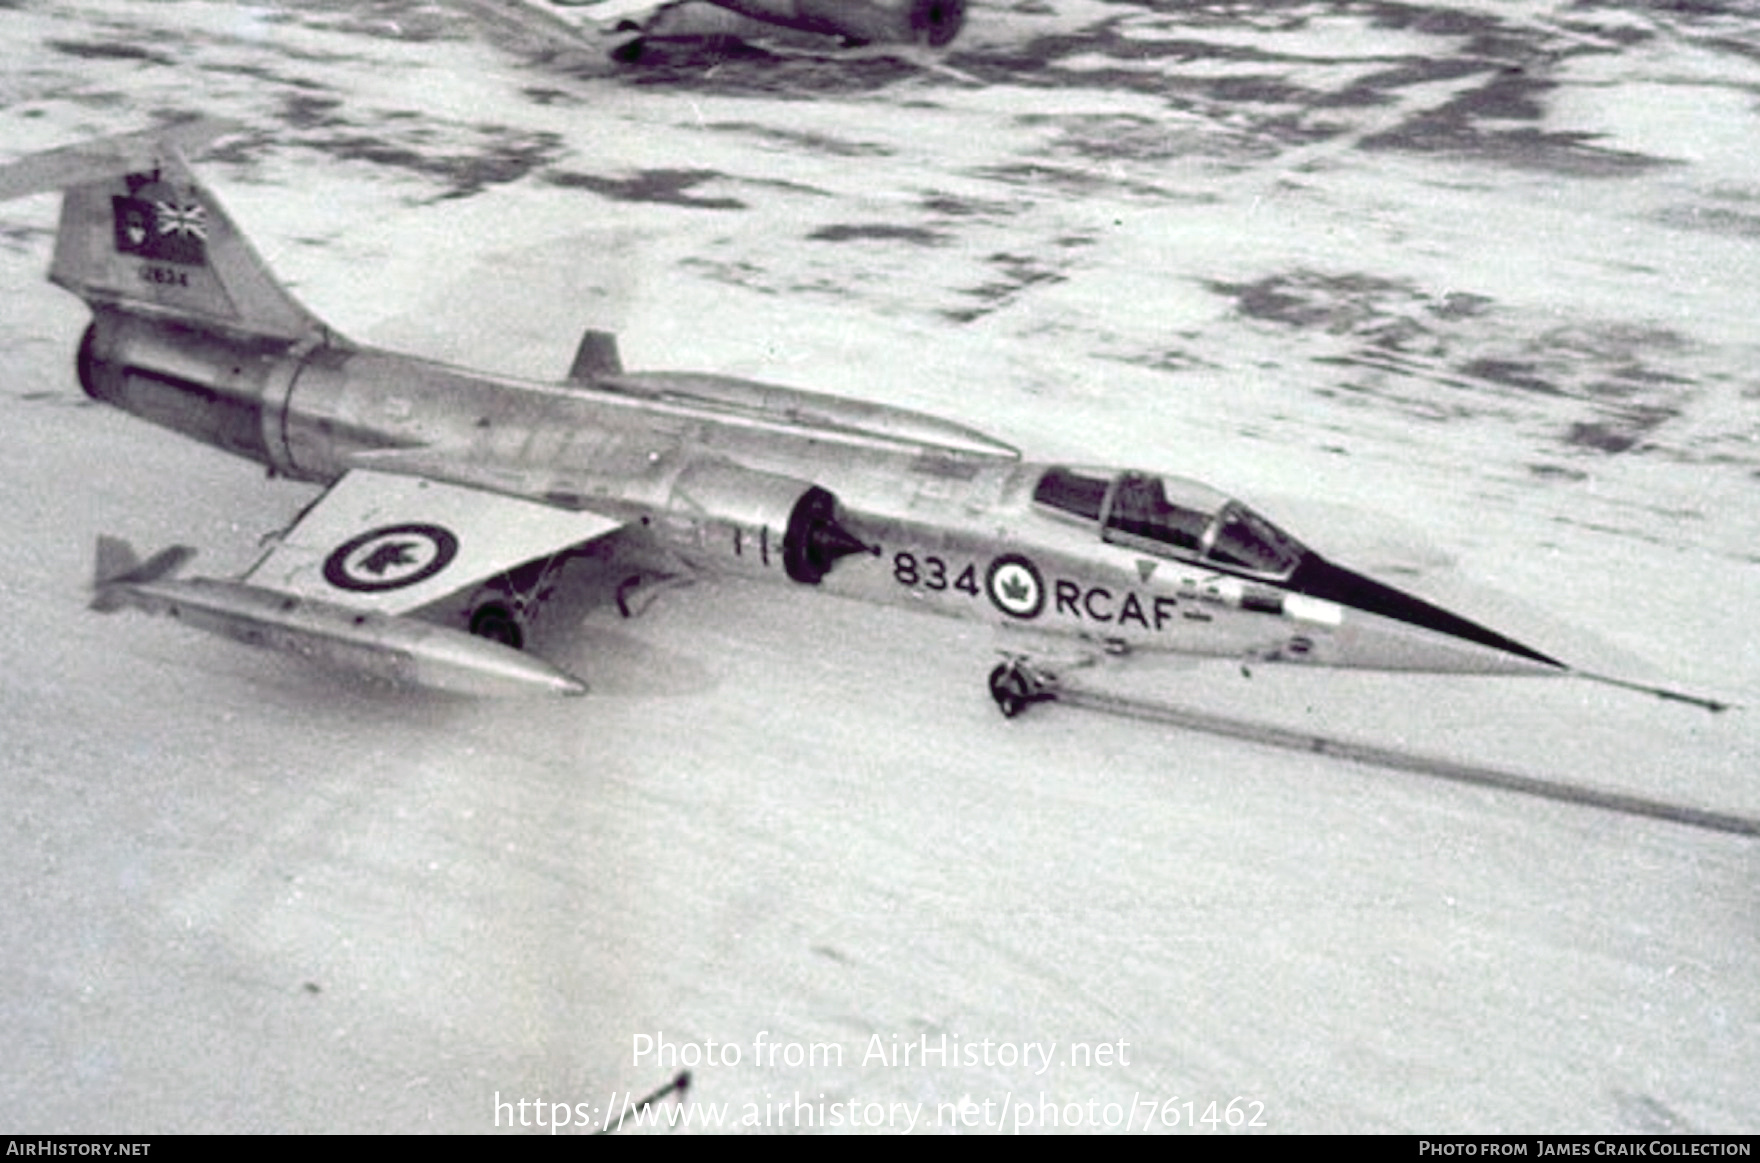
{"x": 1015, "y": 587}
{"x": 390, "y": 558}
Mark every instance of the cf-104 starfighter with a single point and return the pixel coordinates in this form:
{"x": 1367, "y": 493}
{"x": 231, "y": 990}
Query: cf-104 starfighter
{"x": 460, "y": 505}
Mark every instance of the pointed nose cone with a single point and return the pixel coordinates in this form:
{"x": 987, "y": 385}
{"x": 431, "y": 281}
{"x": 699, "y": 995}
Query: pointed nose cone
{"x": 1403, "y": 632}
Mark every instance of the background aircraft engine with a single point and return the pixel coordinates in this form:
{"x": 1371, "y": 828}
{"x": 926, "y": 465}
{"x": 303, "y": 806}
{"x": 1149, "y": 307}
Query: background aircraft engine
{"x": 757, "y": 522}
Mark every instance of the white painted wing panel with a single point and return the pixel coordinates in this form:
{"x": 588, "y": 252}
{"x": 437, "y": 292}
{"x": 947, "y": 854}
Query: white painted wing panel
{"x": 392, "y": 543}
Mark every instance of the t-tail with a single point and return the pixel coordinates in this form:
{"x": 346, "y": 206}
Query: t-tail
{"x": 140, "y": 233}
{"x": 189, "y": 329}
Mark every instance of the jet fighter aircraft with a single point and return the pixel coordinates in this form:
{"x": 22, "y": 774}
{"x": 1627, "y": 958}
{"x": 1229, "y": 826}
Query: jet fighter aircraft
{"x": 459, "y": 505}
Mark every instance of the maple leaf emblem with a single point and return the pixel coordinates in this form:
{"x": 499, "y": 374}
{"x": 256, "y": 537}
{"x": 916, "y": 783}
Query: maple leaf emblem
{"x": 1015, "y": 587}
{"x": 387, "y": 555}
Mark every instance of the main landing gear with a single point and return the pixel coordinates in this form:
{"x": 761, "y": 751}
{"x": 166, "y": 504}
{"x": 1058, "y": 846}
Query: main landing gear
{"x": 512, "y": 602}
{"x": 496, "y": 622}
{"x": 1016, "y": 685}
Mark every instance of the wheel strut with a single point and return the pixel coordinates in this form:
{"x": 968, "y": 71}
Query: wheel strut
{"x": 1015, "y": 686}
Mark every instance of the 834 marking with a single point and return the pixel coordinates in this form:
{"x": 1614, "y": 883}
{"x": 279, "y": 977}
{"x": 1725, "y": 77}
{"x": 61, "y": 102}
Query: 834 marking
{"x": 932, "y": 573}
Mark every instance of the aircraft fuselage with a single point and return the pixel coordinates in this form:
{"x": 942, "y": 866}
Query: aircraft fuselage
{"x": 722, "y": 475}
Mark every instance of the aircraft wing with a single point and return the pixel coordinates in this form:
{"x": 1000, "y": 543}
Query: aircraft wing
{"x": 391, "y": 544}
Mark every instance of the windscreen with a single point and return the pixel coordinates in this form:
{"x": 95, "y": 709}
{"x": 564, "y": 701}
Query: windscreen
{"x": 1245, "y": 540}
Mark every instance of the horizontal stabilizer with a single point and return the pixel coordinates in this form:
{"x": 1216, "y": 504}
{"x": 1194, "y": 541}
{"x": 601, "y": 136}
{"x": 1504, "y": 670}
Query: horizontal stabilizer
{"x": 140, "y": 232}
{"x": 99, "y": 160}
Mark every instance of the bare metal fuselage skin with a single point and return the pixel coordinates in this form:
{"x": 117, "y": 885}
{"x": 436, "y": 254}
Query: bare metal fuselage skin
{"x": 715, "y": 473}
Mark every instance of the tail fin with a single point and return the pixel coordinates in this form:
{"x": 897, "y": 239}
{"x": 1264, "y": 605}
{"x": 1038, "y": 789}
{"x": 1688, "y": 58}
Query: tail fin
{"x": 140, "y": 232}
{"x": 119, "y": 566}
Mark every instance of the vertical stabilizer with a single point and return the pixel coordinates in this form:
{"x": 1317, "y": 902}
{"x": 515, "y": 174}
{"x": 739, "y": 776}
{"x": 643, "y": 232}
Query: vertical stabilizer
{"x": 138, "y": 231}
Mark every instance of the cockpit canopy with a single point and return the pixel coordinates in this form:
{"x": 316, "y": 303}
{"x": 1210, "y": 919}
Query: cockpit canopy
{"x": 1171, "y": 517}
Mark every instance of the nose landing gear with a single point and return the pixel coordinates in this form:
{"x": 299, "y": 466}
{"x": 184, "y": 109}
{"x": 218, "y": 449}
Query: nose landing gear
{"x": 1016, "y": 685}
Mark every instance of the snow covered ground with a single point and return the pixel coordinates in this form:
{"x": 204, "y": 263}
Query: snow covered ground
{"x": 1488, "y": 271}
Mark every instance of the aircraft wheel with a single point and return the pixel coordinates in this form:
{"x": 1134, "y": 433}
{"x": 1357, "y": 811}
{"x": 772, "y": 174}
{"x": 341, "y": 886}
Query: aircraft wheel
{"x": 497, "y": 623}
{"x": 1008, "y": 686}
